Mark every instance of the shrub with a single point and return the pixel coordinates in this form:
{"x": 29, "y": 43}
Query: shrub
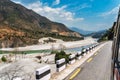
{"x": 4, "y": 59}
{"x": 60, "y": 55}
{"x": 1, "y": 52}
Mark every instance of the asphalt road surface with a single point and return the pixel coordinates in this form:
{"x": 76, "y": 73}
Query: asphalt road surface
{"x": 98, "y": 66}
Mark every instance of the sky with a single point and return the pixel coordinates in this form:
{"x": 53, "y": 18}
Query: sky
{"x": 91, "y": 15}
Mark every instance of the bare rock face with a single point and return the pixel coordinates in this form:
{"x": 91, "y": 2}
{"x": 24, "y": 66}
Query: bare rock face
{"x": 20, "y": 26}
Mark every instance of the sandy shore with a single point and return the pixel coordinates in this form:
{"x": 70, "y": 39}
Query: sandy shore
{"x": 57, "y": 45}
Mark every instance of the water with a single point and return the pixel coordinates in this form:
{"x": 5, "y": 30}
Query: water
{"x": 77, "y": 49}
{"x": 68, "y": 51}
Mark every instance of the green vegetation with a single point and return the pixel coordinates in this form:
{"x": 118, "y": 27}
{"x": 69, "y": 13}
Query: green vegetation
{"x": 4, "y": 59}
{"x": 97, "y": 34}
{"x": 54, "y": 51}
{"x": 107, "y": 36}
{"x": 60, "y": 55}
{"x": 36, "y": 51}
{"x": 26, "y": 52}
{"x": 1, "y": 52}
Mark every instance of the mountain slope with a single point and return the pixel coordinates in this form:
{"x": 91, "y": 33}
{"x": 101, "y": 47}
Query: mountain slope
{"x": 109, "y": 34}
{"x": 83, "y": 32}
{"x": 20, "y": 26}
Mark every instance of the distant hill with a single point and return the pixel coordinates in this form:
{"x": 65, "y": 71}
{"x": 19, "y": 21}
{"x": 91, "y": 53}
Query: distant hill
{"x": 20, "y": 26}
{"x": 83, "y": 32}
{"x": 97, "y": 34}
{"x": 109, "y": 34}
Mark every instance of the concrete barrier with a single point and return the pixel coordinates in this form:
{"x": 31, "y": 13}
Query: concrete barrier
{"x": 96, "y": 45}
{"x": 72, "y": 58}
{"x": 91, "y": 48}
{"x": 43, "y": 73}
{"x": 84, "y": 52}
{"x": 60, "y": 65}
{"x": 78, "y": 55}
{"x": 88, "y": 50}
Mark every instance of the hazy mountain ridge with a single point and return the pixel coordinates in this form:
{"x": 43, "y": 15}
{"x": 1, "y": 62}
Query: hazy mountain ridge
{"x": 97, "y": 34}
{"x": 94, "y": 34}
{"x": 83, "y": 32}
{"x": 20, "y": 26}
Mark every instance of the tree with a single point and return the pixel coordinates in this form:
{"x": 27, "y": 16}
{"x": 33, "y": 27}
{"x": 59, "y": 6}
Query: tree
{"x": 4, "y": 59}
{"x": 60, "y": 55}
{"x": 108, "y": 35}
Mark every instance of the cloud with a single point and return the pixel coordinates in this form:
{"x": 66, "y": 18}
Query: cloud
{"x": 85, "y": 5}
{"x": 55, "y": 14}
{"x": 102, "y": 26}
{"x": 82, "y": 6}
{"x": 17, "y": 1}
{"x": 79, "y": 7}
{"x": 111, "y": 12}
{"x": 56, "y": 2}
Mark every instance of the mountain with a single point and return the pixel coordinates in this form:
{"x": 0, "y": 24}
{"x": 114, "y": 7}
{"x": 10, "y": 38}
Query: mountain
{"x": 20, "y": 26}
{"x": 83, "y": 32}
{"x": 109, "y": 34}
{"x": 97, "y": 34}
{"x": 94, "y": 34}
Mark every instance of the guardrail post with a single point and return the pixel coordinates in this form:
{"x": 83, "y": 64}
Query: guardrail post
{"x": 72, "y": 58}
{"x": 84, "y": 51}
{"x": 87, "y": 50}
{"x": 78, "y": 55}
{"x": 43, "y": 73}
{"x": 60, "y": 64}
